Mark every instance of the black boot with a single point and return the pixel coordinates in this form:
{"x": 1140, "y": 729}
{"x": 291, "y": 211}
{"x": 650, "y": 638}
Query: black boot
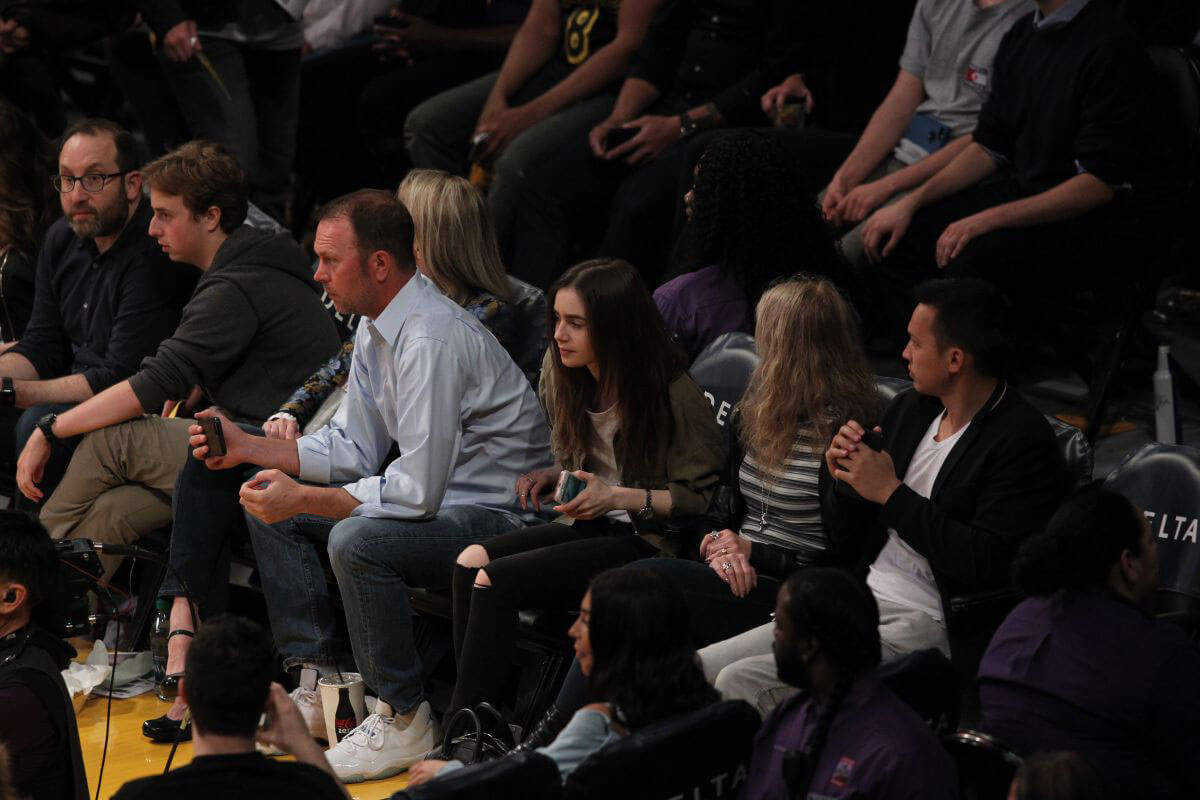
{"x": 545, "y": 731}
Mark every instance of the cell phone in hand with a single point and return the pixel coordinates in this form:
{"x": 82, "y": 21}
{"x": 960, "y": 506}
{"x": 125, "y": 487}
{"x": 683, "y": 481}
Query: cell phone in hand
{"x": 568, "y": 487}
{"x": 873, "y": 440}
{"x": 211, "y": 426}
{"x": 617, "y": 137}
{"x": 477, "y": 146}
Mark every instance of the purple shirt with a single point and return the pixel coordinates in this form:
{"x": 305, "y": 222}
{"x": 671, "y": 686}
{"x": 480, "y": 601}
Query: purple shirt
{"x": 877, "y": 748}
{"x": 1089, "y": 672}
{"x": 700, "y": 306}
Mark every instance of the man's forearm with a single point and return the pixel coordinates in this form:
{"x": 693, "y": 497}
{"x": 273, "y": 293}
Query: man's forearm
{"x": 966, "y": 169}
{"x": 635, "y": 97}
{"x": 280, "y": 454}
{"x": 884, "y": 130}
{"x": 67, "y": 389}
{"x": 915, "y": 174}
{"x": 1072, "y": 198}
{"x": 600, "y": 70}
{"x": 17, "y": 366}
{"x": 334, "y": 503}
{"x": 115, "y": 404}
{"x": 531, "y": 49}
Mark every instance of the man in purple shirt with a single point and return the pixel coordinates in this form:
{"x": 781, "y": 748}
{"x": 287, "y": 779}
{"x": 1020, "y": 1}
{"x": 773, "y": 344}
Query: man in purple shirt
{"x": 1080, "y": 665}
{"x": 845, "y": 735}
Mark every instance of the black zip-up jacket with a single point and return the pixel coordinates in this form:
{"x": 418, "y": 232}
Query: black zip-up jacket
{"x": 1000, "y": 483}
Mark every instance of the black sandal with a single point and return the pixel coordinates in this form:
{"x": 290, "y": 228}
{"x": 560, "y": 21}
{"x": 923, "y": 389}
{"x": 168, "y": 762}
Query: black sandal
{"x": 164, "y": 730}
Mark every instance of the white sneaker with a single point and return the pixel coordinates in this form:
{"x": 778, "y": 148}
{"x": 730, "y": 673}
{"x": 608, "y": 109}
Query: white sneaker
{"x": 311, "y": 708}
{"x": 308, "y": 700}
{"x": 383, "y": 746}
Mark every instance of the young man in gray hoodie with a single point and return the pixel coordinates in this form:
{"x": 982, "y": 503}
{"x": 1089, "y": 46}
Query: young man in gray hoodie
{"x": 253, "y": 330}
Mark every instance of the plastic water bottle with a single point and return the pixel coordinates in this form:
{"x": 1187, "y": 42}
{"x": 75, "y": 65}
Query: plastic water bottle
{"x": 158, "y": 647}
{"x": 1164, "y": 398}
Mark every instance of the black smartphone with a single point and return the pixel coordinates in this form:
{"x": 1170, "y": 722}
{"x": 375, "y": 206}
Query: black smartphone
{"x": 617, "y": 137}
{"x": 873, "y": 440}
{"x": 216, "y": 436}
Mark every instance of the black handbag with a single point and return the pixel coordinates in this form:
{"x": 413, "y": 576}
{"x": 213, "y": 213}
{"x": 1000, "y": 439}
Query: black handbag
{"x": 473, "y": 736}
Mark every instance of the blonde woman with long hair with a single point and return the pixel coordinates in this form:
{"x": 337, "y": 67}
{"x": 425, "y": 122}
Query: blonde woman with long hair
{"x": 455, "y": 247}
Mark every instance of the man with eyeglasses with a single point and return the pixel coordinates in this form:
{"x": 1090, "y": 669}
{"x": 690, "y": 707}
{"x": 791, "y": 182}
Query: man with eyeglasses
{"x": 106, "y": 295}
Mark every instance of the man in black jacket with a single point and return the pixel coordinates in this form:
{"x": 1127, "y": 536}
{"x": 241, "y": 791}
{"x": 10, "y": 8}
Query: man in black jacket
{"x": 105, "y": 294}
{"x": 37, "y": 721}
{"x": 253, "y": 330}
{"x": 963, "y": 471}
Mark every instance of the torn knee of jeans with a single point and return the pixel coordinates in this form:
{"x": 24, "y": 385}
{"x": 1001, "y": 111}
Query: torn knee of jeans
{"x": 482, "y": 581}
{"x": 474, "y": 557}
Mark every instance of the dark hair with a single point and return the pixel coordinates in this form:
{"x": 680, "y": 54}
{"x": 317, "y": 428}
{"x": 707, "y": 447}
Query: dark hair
{"x": 25, "y": 167}
{"x": 204, "y": 174}
{"x": 1059, "y": 776}
{"x": 839, "y": 611}
{"x": 228, "y": 674}
{"x": 635, "y": 356}
{"x": 748, "y": 218}
{"x": 1082, "y": 541}
{"x": 380, "y": 222}
{"x": 971, "y": 314}
{"x": 128, "y": 158}
{"x": 28, "y": 557}
{"x": 644, "y": 662}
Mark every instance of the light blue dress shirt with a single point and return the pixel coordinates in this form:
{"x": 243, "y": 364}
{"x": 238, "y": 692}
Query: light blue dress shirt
{"x": 428, "y": 376}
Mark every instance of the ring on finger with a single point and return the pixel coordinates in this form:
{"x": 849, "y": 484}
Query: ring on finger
{"x": 727, "y": 566}
{"x": 714, "y": 535}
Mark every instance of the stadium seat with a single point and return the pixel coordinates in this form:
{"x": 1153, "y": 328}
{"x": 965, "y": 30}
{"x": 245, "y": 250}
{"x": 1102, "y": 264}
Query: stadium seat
{"x": 530, "y": 776}
{"x": 985, "y": 766}
{"x": 928, "y": 682}
{"x": 1164, "y": 481}
{"x": 700, "y": 756}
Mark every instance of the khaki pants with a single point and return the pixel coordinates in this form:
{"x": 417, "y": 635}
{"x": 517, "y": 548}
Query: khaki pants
{"x": 743, "y": 667}
{"x": 119, "y": 484}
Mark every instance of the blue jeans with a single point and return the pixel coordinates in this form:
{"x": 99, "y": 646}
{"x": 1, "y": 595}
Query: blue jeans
{"x": 375, "y": 561}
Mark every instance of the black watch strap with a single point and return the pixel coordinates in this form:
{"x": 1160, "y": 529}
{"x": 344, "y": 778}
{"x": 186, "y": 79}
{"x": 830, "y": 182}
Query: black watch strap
{"x": 647, "y": 511}
{"x": 46, "y": 426}
{"x": 8, "y": 393}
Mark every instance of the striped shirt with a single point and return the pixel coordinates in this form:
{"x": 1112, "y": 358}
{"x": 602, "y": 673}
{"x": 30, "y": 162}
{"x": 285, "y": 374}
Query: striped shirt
{"x": 790, "y": 499}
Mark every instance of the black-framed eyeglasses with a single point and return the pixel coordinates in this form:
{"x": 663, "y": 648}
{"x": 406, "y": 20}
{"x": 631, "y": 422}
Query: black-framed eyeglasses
{"x": 92, "y": 182}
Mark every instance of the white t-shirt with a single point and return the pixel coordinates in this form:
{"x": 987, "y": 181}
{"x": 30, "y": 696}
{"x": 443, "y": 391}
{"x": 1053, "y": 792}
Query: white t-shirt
{"x": 900, "y": 574}
{"x": 601, "y": 459}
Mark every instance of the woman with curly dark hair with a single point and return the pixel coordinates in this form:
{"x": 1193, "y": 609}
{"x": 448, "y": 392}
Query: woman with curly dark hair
{"x": 748, "y": 224}
{"x": 631, "y": 639}
{"x": 25, "y": 165}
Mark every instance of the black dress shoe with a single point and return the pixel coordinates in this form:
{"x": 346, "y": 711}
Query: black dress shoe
{"x": 164, "y": 729}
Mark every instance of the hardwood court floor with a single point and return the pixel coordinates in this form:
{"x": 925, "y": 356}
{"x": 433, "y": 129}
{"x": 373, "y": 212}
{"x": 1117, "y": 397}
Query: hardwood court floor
{"x": 131, "y": 755}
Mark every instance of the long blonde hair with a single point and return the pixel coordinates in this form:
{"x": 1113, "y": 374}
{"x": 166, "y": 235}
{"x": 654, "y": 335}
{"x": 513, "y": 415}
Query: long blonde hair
{"x": 455, "y": 234}
{"x": 813, "y": 373}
